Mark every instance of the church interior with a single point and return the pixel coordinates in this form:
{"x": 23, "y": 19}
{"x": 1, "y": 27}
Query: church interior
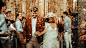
{"x": 46, "y": 6}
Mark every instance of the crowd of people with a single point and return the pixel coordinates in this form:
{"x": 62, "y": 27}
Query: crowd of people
{"x": 51, "y": 31}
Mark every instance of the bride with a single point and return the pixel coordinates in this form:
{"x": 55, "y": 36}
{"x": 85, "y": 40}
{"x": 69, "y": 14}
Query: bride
{"x": 50, "y": 32}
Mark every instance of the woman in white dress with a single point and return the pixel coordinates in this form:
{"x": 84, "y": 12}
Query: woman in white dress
{"x": 50, "y": 32}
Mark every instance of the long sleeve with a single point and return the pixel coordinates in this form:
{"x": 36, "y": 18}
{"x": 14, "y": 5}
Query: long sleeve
{"x": 1, "y": 21}
{"x": 24, "y": 31}
{"x": 25, "y": 25}
{"x": 2, "y": 24}
{"x": 19, "y": 27}
{"x": 67, "y": 25}
{"x": 42, "y": 25}
{"x": 2, "y": 32}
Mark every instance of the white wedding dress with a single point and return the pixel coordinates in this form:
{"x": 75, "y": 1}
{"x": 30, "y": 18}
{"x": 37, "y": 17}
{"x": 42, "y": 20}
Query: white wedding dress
{"x": 50, "y": 39}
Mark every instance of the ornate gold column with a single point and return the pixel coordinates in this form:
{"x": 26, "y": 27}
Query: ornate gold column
{"x": 70, "y": 3}
{"x": 64, "y": 5}
{"x": 41, "y": 8}
{"x": 46, "y": 7}
{"x": 24, "y": 8}
{"x": 74, "y": 5}
{"x": 36, "y": 3}
{"x": 20, "y": 4}
{"x": 58, "y": 8}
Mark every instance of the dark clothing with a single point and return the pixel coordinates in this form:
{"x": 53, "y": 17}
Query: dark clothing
{"x": 85, "y": 40}
{"x": 1, "y": 44}
{"x": 9, "y": 20}
{"x": 75, "y": 24}
{"x": 74, "y": 31}
{"x": 28, "y": 28}
{"x": 75, "y": 37}
{"x": 85, "y": 43}
{"x": 60, "y": 28}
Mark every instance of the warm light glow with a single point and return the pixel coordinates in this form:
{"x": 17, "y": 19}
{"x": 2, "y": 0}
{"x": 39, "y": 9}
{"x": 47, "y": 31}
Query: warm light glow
{"x": 84, "y": 9}
{"x": 75, "y": 0}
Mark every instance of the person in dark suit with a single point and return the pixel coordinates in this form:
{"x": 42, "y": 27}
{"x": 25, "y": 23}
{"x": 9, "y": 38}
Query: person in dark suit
{"x": 74, "y": 26}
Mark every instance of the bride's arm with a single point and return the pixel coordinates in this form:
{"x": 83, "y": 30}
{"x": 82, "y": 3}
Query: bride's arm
{"x": 58, "y": 31}
{"x": 42, "y": 32}
{"x": 61, "y": 22}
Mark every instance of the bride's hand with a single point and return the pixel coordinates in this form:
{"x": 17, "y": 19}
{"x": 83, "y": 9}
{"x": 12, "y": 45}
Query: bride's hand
{"x": 39, "y": 34}
{"x": 59, "y": 33}
{"x": 36, "y": 33}
{"x": 62, "y": 32}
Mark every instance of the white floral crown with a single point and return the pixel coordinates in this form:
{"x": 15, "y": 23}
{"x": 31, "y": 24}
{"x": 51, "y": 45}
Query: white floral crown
{"x": 50, "y": 14}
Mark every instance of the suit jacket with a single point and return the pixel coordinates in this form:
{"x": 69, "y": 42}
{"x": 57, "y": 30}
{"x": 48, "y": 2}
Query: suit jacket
{"x": 28, "y": 28}
{"x": 75, "y": 24}
{"x": 19, "y": 26}
{"x": 67, "y": 24}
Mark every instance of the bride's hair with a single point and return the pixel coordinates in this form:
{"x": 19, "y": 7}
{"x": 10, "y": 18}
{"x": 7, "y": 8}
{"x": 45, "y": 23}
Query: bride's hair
{"x": 53, "y": 19}
{"x": 47, "y": 19}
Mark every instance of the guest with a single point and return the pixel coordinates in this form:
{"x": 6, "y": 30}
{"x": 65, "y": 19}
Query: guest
{"x": 60, "y": 26}
{"x": 10, "y": 22}
{"x": 19, "y": 30}
{"x": 50, "y": 38}
{"x": 74, "y": 26}
{"x": 33, "y": 26}
{"x": 0, "y": 13}
{"x": 1, "y": 5}
{"x": 3, "y": 28}
{"x": 67, "y": 29}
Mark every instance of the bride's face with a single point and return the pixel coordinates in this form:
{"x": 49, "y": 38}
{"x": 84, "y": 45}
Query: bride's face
{"x": 51, "y": 19}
